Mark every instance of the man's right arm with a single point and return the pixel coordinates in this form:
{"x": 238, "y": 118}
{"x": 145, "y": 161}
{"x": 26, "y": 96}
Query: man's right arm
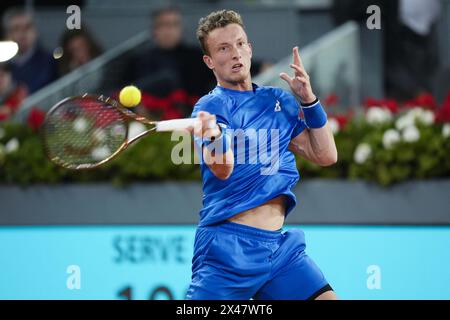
{"x": 217, "y": 154}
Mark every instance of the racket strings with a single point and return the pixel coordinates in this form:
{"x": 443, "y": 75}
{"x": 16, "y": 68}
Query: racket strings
{"x": 84, "y": 132}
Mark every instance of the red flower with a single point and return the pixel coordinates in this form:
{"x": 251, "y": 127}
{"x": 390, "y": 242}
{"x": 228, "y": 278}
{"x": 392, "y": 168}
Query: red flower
{"x": 35, "y": 118}
{"x": 331, "y": 100}
{"x": 342, "y": 119}
{"x": 410, "y": 103}
{"x": 443, "y": 113}
{"x": 152, "y": 102}
{"x": 390, "y": 104}
{"x": 16, "y": 98}
{"x": 168, "y": 106}
{"x": 424, "y": 100}
{"x": 178, "y": 96}
{"x": 447, "y": 101}
{"x": 193, "y": 100}
{"x": 12, "y": 102}
{"x": 171, "y": 113}
{"x": 371, "y": 102}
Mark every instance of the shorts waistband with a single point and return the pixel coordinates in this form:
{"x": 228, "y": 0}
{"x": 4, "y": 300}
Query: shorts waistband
{"x": 248, "y": 231}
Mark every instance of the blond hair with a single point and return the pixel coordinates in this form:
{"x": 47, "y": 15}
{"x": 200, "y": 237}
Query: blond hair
{"x": 215, "y": 20}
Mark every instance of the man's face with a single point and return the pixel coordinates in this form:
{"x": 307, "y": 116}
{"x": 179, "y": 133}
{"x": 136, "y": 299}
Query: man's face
{"x": 79, "y": 49}
{"x": 167, "y": 30}
{"x": 22, "y": 31}
{"x": 230, "y": 54}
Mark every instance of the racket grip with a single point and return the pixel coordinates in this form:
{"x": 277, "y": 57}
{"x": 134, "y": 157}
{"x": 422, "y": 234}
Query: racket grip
{"x": 176, "y": 124}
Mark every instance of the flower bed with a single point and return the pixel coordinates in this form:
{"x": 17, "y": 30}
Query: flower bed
{"x": 387, "y": 143}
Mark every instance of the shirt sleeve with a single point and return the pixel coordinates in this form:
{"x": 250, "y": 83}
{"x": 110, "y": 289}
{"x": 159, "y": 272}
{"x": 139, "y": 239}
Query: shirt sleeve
{"x": 299, "y": 127}
{"x": 298, "y": 123}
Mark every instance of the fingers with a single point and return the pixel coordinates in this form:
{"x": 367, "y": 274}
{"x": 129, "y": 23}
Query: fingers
{"x": 286, "y": 78}
{"x": 207, "y": 126}
{"x": 302, "y": 80}
{"x": 203, "y": 115}
{"x": 211, "y": 124}
{"x": 296, "y": 58}
{"x": 207, "y": 120}
{"x": 299, "y": 71}
{"x": 187, "y": 130}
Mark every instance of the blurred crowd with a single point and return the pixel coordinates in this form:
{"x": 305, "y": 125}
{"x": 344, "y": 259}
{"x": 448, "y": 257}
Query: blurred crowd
{"x": 170, "y": 72}
{"x": 172, "y": 75}
{"x": 410, "y": 41}
{"x": 34, "y": 66}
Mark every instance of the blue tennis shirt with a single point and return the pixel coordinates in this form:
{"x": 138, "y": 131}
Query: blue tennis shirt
{"x": 261, "y": 123}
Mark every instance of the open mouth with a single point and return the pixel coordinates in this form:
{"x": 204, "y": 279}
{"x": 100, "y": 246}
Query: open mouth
{"x": 237, "y": 67}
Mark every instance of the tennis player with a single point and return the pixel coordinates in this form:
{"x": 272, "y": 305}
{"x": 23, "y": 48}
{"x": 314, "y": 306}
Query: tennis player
{"x": 241, "y": 250}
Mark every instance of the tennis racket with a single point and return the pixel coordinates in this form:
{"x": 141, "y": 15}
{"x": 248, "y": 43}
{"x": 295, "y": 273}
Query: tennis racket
{"x": 84, "y": 132}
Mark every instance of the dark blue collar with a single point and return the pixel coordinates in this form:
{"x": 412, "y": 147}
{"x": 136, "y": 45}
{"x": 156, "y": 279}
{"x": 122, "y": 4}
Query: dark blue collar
{"x": 254, "y": 86}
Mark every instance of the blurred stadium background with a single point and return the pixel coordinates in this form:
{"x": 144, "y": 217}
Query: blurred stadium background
{"x": 377, "y": 222}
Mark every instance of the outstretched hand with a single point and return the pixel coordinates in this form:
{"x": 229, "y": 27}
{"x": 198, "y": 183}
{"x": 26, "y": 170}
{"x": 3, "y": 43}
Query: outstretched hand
{"x": 206, "y": 126}
{"x": 299, "y": 83}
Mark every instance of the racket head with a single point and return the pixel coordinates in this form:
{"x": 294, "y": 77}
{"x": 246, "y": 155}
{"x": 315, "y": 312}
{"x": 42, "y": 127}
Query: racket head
{"x": 84, "y": 132}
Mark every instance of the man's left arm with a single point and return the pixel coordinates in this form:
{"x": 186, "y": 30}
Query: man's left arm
{"x": 316, "y": 143}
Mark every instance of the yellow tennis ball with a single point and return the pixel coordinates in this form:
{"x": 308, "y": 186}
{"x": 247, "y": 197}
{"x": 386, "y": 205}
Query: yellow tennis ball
{"x": 130, "y": 96}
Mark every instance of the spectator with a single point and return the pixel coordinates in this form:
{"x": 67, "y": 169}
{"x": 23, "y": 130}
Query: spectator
{"x": 79, "y": 47}
{"x": 170, "y": 72}
{"x": 412, "y": 69}
{"x": 11, "y": 94}
{"x": 409, "y": 40}
{"x": 33, "y": 66}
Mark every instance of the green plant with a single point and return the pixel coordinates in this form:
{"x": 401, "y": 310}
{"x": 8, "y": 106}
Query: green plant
{"x": 381, "y": 146}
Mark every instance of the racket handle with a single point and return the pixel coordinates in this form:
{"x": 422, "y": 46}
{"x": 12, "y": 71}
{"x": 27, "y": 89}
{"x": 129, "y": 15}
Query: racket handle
{"x": 176, "y": 124}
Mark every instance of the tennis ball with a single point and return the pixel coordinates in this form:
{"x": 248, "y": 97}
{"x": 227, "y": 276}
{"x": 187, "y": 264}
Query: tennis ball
{"x": 130, "y": 96}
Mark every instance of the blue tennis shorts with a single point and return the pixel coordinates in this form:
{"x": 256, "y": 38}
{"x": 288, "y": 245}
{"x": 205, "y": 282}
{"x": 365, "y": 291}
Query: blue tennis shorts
{"x": 238, "y": 262}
